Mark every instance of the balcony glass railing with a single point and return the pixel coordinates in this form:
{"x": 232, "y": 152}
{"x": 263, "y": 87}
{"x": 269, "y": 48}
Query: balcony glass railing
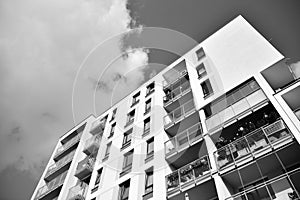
{"x": 67, "y": 145}
{"x": 191, "y": 173}
{"x": 178, "y": 76}
{"x": 51, "y": 186}
{"x": 98, "y": 126}
{"x": 183, "y": 139}
{"x": 177, "y": 92}
{"x": 78, "y": 192}
{"x": 93, "y": 142}
{"x": 62, "y": 162}
{"x": 277, "y": 188}
{"x": 233, "y": 110}
{"x": 177, "y": 114}
{"x": 85, "y": 164}
{"x": 250, "y": 143}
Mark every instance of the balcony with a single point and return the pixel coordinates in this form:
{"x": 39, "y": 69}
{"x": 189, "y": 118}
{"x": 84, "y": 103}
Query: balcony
{"x": 59, "y": 166}
{"x": 189, "y": 176}
{"x": 183, "y": 140}
{"x": 51, "y": 190}
{"x": 98, "y": 126}
{"x": 92, "y": 145}
{"x": 252, "y": 145}
{"x": 237, "y": 109}
{"x": 78, "y": 192}
{"x": 67, "y": 147}
{"x": 85, "y": 167}
{"x": 178, "y": 114}
{"x": 176, "y": 93}
{"x": 297, "y": 113}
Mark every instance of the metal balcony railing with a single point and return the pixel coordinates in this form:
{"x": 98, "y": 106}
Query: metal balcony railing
{"x": 98, "y": 126}
{"x": 92, "y": 144}
{"x": 190, "y": 173}
{"x": 68, "y": 144}
{"x": 51, "y": 186}
{"x": 78, "y": 192}
{"x": 179, "y": 113}
{"x": 62, "y": 162}
{"x": 85, "y": 167}
{"x": 250, "y": 143}
{"x": 230, "y": 112}
{"x": 177, "y": 92}
{"x": 183, "y": 139}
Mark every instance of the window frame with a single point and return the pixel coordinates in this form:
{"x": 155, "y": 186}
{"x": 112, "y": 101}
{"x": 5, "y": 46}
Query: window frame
{"x": 149, "y": 174}
{"x": 135, "y": 99}
{"x": 204, "y": 73}
{"x": 127, "y": 136}
{"x": 150, "y": 88}
{"x": 124, "y": 189}
{"x": 207, "y": 88}
{"x": 148, "y": 106}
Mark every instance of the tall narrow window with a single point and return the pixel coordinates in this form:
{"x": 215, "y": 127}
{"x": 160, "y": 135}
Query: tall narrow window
{"x": 146, "y": 126}
{"x": 113, "y": 116}
{"x": 107, "y": 151}
{"x": 200, "y": 53}
{"x": 147, "y": 106}
{"x": 127, "y": 138}
{"x": 206, "y": 88}
{"x": 150, "y": 146}
{"x": 112, "y": 130}
{"x": 130, "y": 118}
{"x": 150, "y": 89}
{"x": 135, "y": 99}
{"x": 98, "y": 178}
{"x": 201, "y": 70}
{"x": 127, "y": 163}
{"x": 124, "y": 190}
{"x": 149, "y": 181}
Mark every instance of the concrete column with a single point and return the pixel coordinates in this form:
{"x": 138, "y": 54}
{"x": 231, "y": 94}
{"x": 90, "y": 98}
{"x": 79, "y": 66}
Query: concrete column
{"x": 222, "y": 190}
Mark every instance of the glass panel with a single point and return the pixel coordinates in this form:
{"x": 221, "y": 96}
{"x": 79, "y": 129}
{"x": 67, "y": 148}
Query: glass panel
{"x": 170, "y": 146}
{"x": 239, "y": 148}
{"x": 223, "y": 156}
{"x": 168, "y": 119}
{"x": 240, "y": 106}
{"x": 201, "y": 167}
{"x": 182, "y": 140}
{"x": 186, "y": 174}
{"x": 195, "y": 133}
{"x": 213, "y": 121}
{"x": 172, "y": 181}
{"x": 256, "y": 98}
{"x": 257, "y": 140}
{"x": 178, "y": 113}
{"x": 281, "y": 189}
{"x": 188, "y": 107}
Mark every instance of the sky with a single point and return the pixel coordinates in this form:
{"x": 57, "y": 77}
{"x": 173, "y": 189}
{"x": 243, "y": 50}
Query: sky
{"x": 50, "y": 47}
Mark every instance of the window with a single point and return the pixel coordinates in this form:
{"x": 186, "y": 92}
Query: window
{"x": 135, "y": 99}
{"x": 206, "y": 88}
{"x": 146, "y": 126}
{"x": 107, "y": 151}
{"x": 150, "y": 89}
{"x": 127, "y": 162}
{"x": 149, "y": 181}
{"x": 113, "y": 116}
{"x": 200, "y": 53}
{"x": 201, "y": 70}
{"x": 130, "y": 118}
{"x": 150, "y": 146}
{"x": 112, "y": 130}
{"x": 124, "y": 190}
{"x": 127, "y": 138}
{"x": 147, "y": 106}
{"x": 98, "y": 178}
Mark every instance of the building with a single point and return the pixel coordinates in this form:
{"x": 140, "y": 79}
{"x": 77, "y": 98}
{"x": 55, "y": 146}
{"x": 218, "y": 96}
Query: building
{"x": 221, "y": 122}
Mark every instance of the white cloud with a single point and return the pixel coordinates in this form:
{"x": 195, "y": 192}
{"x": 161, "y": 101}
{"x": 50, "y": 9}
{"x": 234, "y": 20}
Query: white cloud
{"x": 42, "y": 44}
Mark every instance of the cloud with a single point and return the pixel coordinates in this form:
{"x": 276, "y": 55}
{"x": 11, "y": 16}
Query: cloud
{"x": 42, "y": 43}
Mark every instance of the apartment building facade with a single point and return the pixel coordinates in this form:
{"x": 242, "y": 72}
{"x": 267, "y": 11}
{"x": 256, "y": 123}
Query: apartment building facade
{"x": 221, "y": 122}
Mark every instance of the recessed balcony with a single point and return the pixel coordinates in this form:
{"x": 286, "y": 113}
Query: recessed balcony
{"x": 67, "y": 147}
{"x": 98, "y": 126}
{"x": 188, "y": 176}
{"x": 92, "y": 145}
{"x": 78, "y": 192}
{"x": 253, "y": 145}
{"x": 85, "y": 168}
{"x": 183, "y": 140}
{"x": 59, "y": 166}
{"x": 51, "y": 189}
{"x": 230, "y": 110}
{"x": 179, "y": 114}
{"x": 174, "y": 77}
